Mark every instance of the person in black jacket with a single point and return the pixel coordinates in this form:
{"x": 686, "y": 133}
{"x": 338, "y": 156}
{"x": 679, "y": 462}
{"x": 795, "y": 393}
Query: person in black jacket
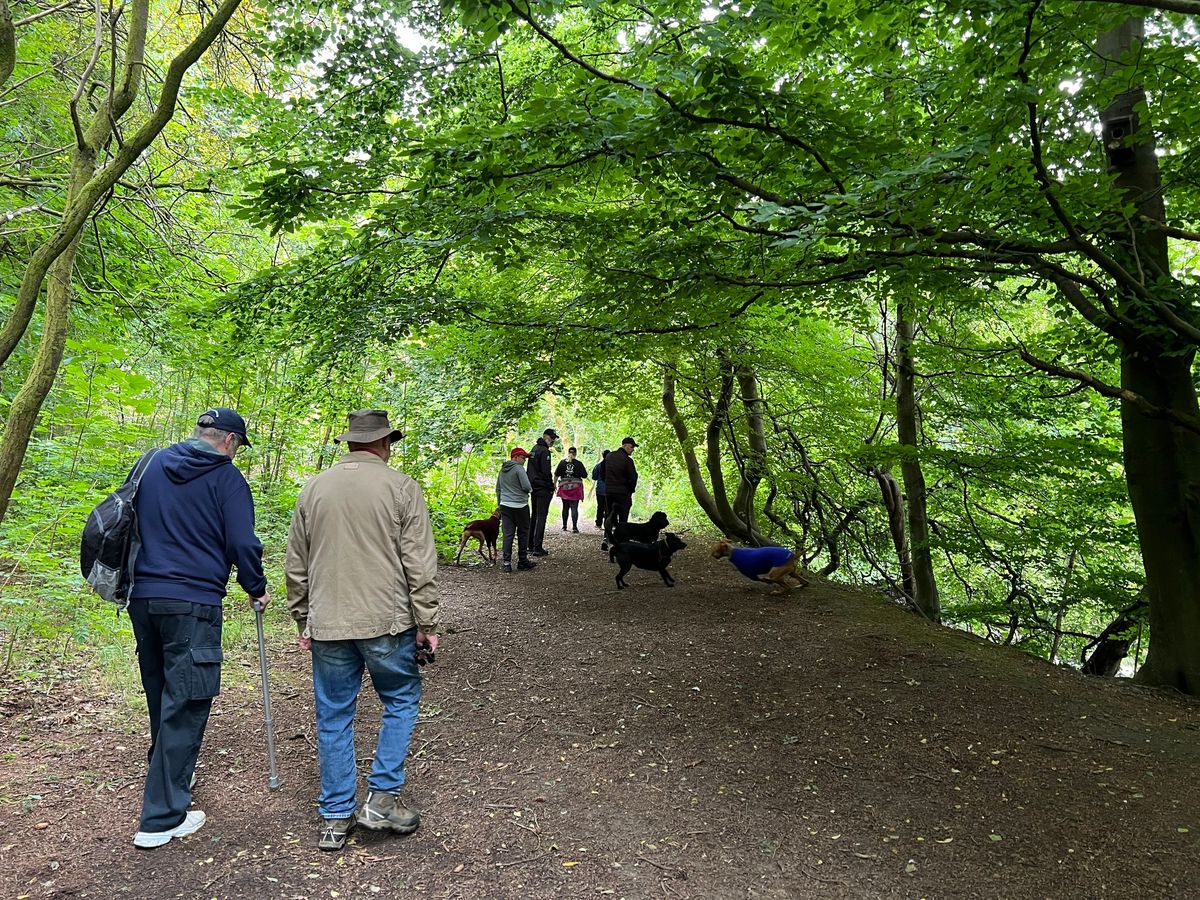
{"x": 195, "y": 521}
{"x": 541, "y": 479}
{"x": 620, "y": 481}
{"x": 598, "y": 487}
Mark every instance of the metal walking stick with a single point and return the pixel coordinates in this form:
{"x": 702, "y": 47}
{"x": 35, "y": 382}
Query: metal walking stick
{"x": 262, "y": 664}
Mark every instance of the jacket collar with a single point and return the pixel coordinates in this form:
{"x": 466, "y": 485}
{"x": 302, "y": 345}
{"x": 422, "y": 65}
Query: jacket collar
{"x": 361, "y": 456}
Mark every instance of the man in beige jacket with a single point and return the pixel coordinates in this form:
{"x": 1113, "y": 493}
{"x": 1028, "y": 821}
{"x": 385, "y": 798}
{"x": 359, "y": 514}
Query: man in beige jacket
{"x": 362, "y": 587}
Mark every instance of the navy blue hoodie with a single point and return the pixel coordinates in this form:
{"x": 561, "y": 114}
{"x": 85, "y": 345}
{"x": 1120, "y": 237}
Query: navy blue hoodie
{"x": 195, "y": 520}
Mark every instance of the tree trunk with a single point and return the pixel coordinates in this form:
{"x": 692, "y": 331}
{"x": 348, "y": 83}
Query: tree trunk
{"x": 1112, "y": 644}
{"x": 88, "y": 187}
{"x": 755, "y": 462}
{"x": 1162, "y": 470}
{"x": 8, "y": 43}
{"x": 893, "y": 502}
{"x": 924, "y": 582}
{"x": 714, "y": 501}
{"x": 1162, "y": 460}
{"x": 695, "y": 476}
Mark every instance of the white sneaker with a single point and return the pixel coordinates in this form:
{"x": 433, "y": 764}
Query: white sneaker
{"x": 191, "y": 823}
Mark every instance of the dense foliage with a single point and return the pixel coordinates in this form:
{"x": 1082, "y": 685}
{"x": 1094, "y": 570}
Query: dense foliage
{"x": 878, "y": 281}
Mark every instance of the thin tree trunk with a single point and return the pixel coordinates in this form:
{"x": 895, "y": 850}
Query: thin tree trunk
{"x": 714, "y": 501}
{"x": 755, "y": 463}
{"x": 924, "y": 581}
{"x": 728, "y": 520}
{"x": 8, "y": 43}
{"x": 88, "y": 187}
{"x": 695, "y": 475}
{"x": 893, "y": 502}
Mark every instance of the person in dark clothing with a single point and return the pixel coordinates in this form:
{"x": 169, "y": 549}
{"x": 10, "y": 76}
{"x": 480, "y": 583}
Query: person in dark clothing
{"x": 195, "y": 520}
{"x": 569, "y": 476}
{"x": 541, "y": 480}
{"x": 598, "y": 487}
{"x": 620, "y": 481}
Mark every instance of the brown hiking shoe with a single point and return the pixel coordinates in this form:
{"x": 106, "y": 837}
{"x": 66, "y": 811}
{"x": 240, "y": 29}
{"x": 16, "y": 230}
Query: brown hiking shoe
{"x": 334, "y": 833}
{"x": 388, "y": 812}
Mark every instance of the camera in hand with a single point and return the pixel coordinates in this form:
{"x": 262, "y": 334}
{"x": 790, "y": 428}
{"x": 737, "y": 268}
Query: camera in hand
{"x": 425, "y": 653}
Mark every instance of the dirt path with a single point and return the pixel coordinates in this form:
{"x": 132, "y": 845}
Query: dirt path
{"x": 703, "y": 742}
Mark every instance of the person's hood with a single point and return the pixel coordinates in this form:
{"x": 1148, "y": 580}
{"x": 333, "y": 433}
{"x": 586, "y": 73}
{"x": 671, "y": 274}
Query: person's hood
{"x": 509, "y": 464}
{"x": 190, "y": 460}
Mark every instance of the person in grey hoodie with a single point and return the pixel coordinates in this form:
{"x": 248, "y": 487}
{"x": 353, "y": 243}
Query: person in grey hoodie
{"x": 512, "y": 496}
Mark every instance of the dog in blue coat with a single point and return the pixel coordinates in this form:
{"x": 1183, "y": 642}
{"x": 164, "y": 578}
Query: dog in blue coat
{"x": 773, "y": 564}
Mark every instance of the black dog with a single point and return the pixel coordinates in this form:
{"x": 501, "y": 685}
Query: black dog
{"x": 656, "y": 557}
{"x": 642, "y": 532}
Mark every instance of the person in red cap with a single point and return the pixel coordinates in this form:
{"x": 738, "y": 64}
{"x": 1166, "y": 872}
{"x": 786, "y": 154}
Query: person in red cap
{"x": 512, "y": 496}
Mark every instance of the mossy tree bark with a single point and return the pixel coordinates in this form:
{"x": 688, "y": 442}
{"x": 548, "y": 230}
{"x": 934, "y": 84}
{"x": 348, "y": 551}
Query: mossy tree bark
{"x": 54, "y": 260}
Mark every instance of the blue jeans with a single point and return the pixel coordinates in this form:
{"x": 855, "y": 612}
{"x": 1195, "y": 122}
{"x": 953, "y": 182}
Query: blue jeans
{"x": 337, "y": 679}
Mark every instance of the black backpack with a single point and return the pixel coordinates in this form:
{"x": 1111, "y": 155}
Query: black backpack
{"x": 110, "y": 540}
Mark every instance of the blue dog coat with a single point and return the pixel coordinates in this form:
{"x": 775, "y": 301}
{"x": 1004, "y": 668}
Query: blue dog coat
{"x": 755, "y": 561}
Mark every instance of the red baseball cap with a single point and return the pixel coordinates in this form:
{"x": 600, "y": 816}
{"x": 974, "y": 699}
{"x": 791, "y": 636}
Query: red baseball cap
{"x": 517, "y": 451}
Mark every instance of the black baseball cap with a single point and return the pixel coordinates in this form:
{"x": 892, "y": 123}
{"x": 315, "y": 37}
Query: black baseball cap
{"x": 226, "y": 419}
{"x": 629, "y": 440}
{"x": 551, "y": 432}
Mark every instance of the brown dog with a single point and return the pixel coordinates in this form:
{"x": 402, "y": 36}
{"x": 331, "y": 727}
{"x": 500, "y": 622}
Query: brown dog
{"x": 484, "y": 531}
{"x": 773, "y": 564}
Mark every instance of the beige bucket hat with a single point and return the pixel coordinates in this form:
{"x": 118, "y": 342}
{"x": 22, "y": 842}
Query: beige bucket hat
{"x": 368, "y": 425}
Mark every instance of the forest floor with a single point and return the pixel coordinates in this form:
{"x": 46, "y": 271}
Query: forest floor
{"x": 706, "y": 741}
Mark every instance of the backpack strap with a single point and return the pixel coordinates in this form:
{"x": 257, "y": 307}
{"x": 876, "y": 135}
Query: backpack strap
{"x": 140, "y": 469}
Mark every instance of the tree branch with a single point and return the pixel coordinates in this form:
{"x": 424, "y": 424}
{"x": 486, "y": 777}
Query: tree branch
{"x": 84, "y": 204}
{"x": 97, "y": 47}
{"x": 1191, "y": 423}
{"x": 675, "y": 106}
{"x": 41, "y": 14}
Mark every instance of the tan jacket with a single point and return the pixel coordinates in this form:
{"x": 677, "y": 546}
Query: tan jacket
{"x": 361, "y": 561}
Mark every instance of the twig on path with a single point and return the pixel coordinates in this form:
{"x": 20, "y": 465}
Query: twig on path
{"x": 656, "y": 865}
{"x": 1128, "y": 749}
{"x": 532, "y": 831}
{"x": 815, "y": 877}
{"x": 307, "y": 739}
{"x": 831, "y": 763}
{"x": 499, "y": 806}
{"x": 644, "y": 701}
{"x": 924, "y": 775}
{"x": 519, "y": 862}
{"x": 1057, "y": 747}
{"x": 224, "y": 874}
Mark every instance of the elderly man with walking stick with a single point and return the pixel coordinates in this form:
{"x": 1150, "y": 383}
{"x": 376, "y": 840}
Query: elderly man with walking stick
{"x": 362, "y": 587}
{"x": 195, "y": 520}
